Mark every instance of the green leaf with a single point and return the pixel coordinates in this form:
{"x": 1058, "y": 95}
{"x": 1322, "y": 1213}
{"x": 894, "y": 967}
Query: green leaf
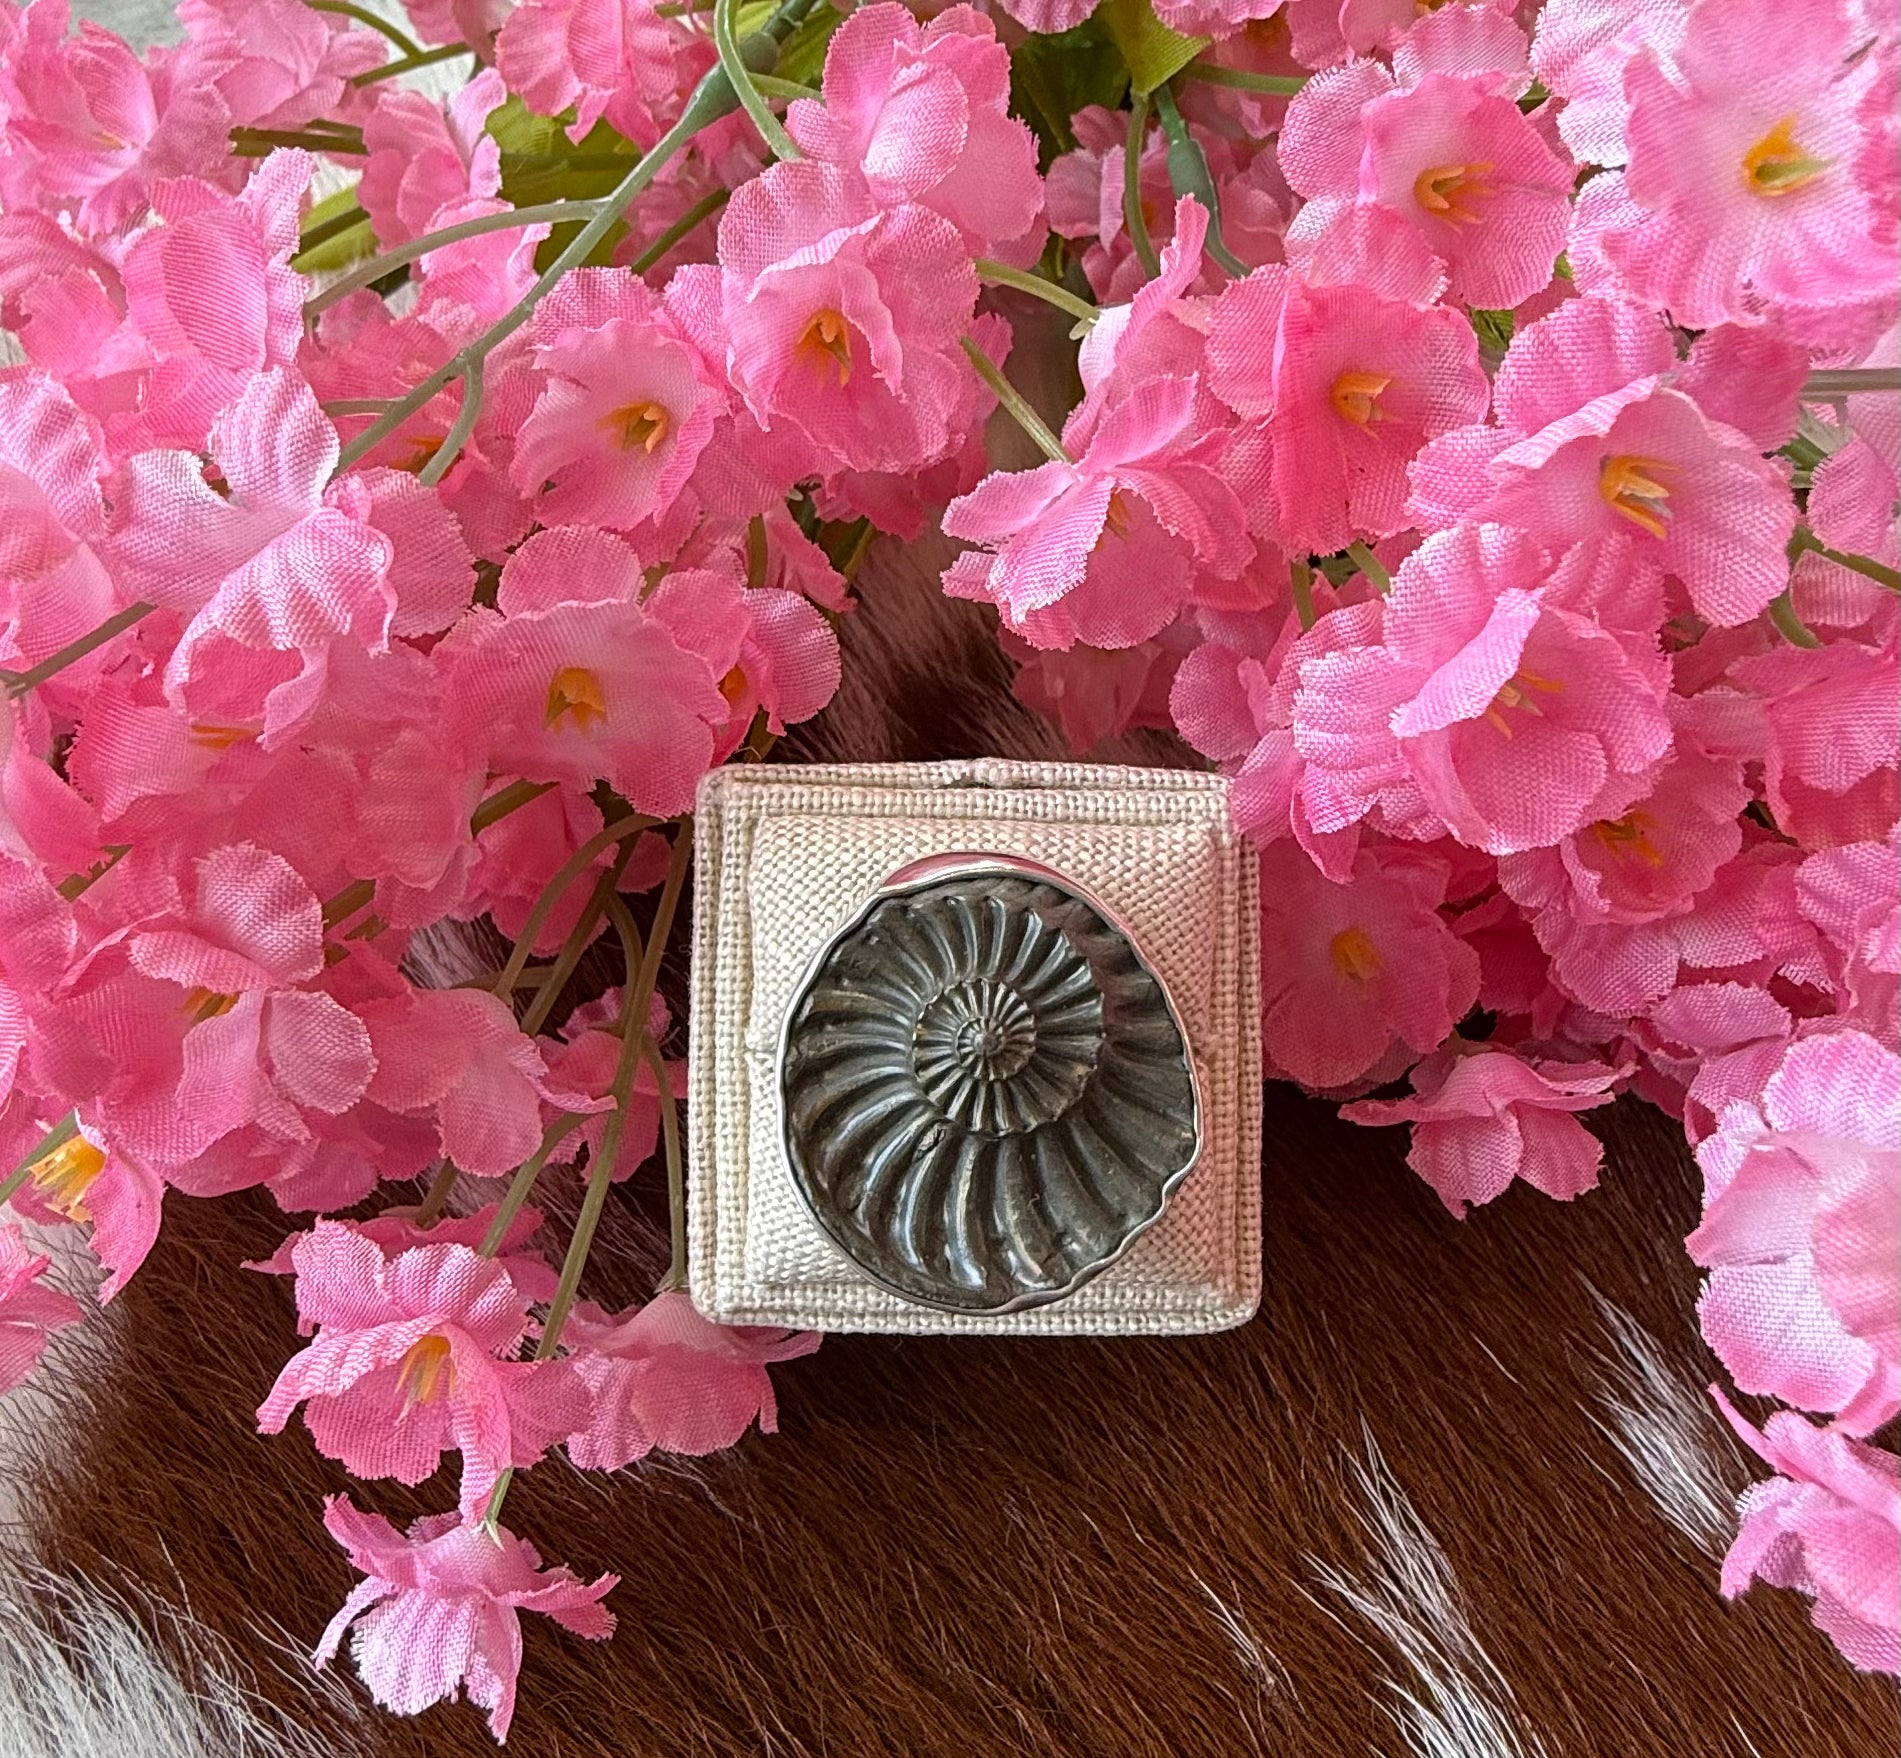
{"x": 1494, "y": 328}
{"x": 1052, "y": 77}
{"x": 517, "y": 129}
{"x": 802, "y": 56}
{"x": 1154, "y": 53}
{"x": 337, "y": 249}
{"x": 540, "y": 163}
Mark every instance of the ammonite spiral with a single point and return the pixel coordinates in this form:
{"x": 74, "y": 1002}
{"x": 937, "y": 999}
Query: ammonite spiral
{"x": 987, "y": 1091}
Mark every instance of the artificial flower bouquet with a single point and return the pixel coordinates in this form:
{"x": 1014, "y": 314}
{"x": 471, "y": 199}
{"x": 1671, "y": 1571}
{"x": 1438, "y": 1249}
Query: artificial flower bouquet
{"x": 434, "y": 441}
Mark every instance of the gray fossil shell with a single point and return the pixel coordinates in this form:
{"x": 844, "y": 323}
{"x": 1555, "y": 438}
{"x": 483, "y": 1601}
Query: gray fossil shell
{"x": 987, "y": 1092}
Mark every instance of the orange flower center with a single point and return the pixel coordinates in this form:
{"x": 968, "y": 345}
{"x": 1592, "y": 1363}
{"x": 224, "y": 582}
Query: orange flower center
{"x": 1356, "y": 396}
{"x": 1776, "y": 164}
{"x": 733, "y": 685}
{"x": 416, "y": 451}
{"x": 1453, "y": 192}
{"x": 575, "y": 694}
{"x": 1355, "y": 956}
{"x": 64, "y": 1174}
{"x": 642, "y": 425}
{"x": 425, "y": 1370}
{"x": 1633, "y": 488}
{"x": 213, "y": 737}
{"x": 203, "y": 1004}
{"x": 826, "y": 345}
{"x": 1628, "y": 837}
{"x": 1520, "y": 691}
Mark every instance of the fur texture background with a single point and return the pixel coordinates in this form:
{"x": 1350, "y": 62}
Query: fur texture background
{"x": 1455, "y": 1493}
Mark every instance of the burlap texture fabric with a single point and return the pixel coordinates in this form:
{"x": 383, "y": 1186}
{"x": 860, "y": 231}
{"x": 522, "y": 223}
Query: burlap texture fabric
{"x": 784, "y": 858}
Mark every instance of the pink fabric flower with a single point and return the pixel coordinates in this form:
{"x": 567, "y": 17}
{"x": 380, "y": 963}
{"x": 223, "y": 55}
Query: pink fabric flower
{"x": 29, "y": 1310}
{"x": 90, "y": 1183}
{"x": 54, "y": 584}
{"x": 441, "y": 1608}
{"x": 921, "y": 112}
{"x": 1828, "y": 1525}
{"x": 612, "y": 58}
{"x": 771, "y": 649}
{"x": 625, "y": 411}
{"x": 1581, "y": 52}
{"x": 1591, "y": 443}
{"x": 1357, "y": 977}
{"x": 1103, "y": 550}
{"x": 242, "y": 941}
{"x": 1452, "y": 156}
{"x": 94, "y": 129}
{"x": 1801, "y": 1232}
{"x": 1832, "y": 762}
{"x": 1481, "y": 678}
{"x": 395, "y": 1232}
{"x": 1853, "y": 895}
{"x": 662, "y": 1376}
{"x": 571, "y": 680}
{"x": 842, "y": 317}
{"x": 270, "y": 575}
{"x": 414, "y": 1355}
{"x": 423, "y": 155}
{"x": 458, "y": 1054}
{"x": 1744, "y": 174}
{"x": 279, "y": 64}
{"x": 1484, "y": 1117}
{"x": 1350, "y": 379}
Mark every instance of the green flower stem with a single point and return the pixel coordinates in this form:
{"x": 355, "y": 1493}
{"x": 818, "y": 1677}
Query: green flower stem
{"x": 767, "y": 86}
{"x": 405, "y": 45}
{"x": 360, "y": 892}
{"x": 459, "y": 430}
{"x": 1300, "y": 581}
{"x": 1132, "y": 186}
{"x": 254, "y": 143}
{"x": 437, "y": 1194}
{"x": 386, "y": 262}
{"x": 570, "y": 870}
{"x": 709, "y": 203}
{"x": 523, "y": 1183}
{"x": 739, "y": 74}
{"x": 505, "y": 800}
{"x": 634, "y": 1006}
{"x": 1850, "y": 381}
{"x": 18, "y": 683}
{"x": 675, "y": 1277}
{"x": 633, "y": 1035}
{"x": 1791, "y": 627}
{"x": 555, "y": 978}
{"x": 353, "y": 897}
{"x": 334, "y": 227}
{"x": 1273, "y": 85}
{"x": 712, "y": 98}
{"x": 1371, "y": 566}
{"x": 411, "y": 63}
{"x": 1012, "y": 400}
{"x": 61, "y": 1133}
{"x": 1189, "y": 174}
{"x": 1864, "y": 565}
{"x": 1002, "y": 275}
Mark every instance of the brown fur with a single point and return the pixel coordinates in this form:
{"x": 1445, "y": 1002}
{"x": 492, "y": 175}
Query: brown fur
{"x": 1031, "y": 1549}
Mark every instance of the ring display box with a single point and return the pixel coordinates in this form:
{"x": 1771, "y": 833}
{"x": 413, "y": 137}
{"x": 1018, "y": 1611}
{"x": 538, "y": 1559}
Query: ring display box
{"x": 974, "y": 1049}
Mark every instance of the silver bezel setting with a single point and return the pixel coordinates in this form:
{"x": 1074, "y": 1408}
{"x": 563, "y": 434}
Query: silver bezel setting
{"x": 917, "y": 876}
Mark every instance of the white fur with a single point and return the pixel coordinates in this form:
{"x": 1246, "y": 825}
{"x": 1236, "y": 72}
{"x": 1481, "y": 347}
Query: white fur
{"x": 1666, "y": 1430}
{"x": 1451, "y": 1701}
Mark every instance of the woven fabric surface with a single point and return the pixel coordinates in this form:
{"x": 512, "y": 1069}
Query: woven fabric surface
{"x": 786, "y": 858}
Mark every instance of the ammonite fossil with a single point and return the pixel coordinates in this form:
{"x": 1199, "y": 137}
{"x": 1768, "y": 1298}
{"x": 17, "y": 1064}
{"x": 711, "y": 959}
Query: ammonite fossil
{"x": 987, "y": 1092}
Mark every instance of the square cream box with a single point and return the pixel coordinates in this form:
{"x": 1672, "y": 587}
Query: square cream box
{"x": 787, "y": 855}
